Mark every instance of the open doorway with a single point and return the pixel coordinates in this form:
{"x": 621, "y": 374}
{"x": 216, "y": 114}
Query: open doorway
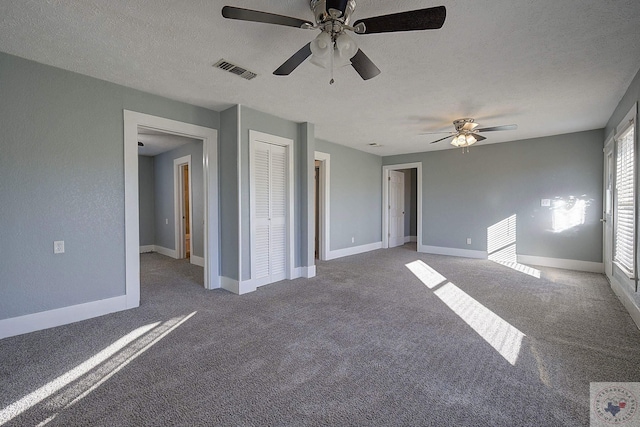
{"x": 402, "y": 205}
{"x": 211, "y": 244}
{"x": 170, "y": 176}
{"x": 322, "y": 167}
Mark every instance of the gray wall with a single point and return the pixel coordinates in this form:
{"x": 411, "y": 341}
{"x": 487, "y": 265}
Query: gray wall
{"x": 631, "y": 97}
{"x": 165, "y": 199}
{"x": 229, "y": 192}
{"x": 465, "y": 194}
{"x": 62, "y": 178}
{"x": 146, "y": 201}
{"x": 356, "y": 196}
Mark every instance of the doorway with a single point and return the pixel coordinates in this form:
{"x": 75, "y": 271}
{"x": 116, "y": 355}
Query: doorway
{"x": 209, "y": 137}
{"x": 322, "y": 166}
{"x": 402, "y": 205}
{"x": 184, "y": 198}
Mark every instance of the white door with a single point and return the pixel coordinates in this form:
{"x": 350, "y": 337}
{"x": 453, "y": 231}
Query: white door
{"x": 607, "y": 217}
{"x": 269, "y": 213}
{"x": 396, "y": 208}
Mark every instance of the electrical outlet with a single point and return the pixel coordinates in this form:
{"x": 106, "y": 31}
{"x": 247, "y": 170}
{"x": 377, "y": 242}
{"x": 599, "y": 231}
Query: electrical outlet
{"x": 166, "y": 221}
{"x": 545, "y": 202}
{"x": 468, "y": 240}
{"x": 353, "y": 240}
{"x": 58, "y": 247}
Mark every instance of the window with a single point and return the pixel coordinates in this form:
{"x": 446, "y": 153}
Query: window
{"x": 624, "y": 208}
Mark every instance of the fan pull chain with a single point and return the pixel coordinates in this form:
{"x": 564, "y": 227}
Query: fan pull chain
{"x": 333, "y": 53}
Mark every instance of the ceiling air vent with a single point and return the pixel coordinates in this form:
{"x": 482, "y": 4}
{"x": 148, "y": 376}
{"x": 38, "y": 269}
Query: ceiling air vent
{"x": 233, "y": 68}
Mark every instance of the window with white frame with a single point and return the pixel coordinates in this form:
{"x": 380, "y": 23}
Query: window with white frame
{"x": 624, "y": 208}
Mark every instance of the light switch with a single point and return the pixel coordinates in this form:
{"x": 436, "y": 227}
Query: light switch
{"x": 58, "y": 247}
{"x": 545, "y": 202}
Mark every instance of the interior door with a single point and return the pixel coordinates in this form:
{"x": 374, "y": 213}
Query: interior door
{"x": 396, "y": 208}
{"x": 607, "y": 217}
{"x": 269, "y": 213}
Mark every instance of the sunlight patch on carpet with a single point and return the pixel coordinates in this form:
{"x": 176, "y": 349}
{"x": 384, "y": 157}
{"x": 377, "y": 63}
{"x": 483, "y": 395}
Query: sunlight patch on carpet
{"x": 89, "y": 375}
{"x": 497, "y": 332}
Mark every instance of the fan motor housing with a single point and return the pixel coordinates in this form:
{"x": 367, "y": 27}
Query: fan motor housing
{"x": 321, "y": 9}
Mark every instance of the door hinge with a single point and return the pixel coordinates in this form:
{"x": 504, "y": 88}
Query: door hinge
{"x": 389, "y": 178}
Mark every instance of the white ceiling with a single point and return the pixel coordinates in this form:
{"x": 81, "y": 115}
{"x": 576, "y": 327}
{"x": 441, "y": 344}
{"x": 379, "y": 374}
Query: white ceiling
{"x": 550, "y": 66}
{"x": 156, "y": 142}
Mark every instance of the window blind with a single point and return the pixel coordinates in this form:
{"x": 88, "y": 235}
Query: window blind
{"x": 625, "y": 200}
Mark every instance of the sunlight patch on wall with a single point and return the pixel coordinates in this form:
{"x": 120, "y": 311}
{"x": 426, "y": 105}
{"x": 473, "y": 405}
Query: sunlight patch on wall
{"x": 568, "y": 213}
{"x": 427, "y": 275}
{"x": 502, "y": 249}
{"x": 89, "y": 375}
{"x": 497, "y": 332}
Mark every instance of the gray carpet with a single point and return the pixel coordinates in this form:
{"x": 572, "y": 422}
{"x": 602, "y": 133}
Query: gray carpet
{"x": 364, "y": 343}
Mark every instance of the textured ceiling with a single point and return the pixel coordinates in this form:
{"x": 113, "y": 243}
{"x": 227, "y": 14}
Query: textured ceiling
{"x": 550, "y": 66}
{"x": 156, "y": 142}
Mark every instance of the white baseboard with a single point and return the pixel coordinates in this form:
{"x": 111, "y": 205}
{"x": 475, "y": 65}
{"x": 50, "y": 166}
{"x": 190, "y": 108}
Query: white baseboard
{"x": 354, "y": 250}
{"x": 60, "y": 316}
{"x": 408, "y": 239}
{"x": 626, "y": 300}
{"x": 567, "y": 264}
{"x": 197, "y": 260}
{"x": 463, "y": 253}
{"x": 166, "y": 252}
{"x": 147, "y": 249}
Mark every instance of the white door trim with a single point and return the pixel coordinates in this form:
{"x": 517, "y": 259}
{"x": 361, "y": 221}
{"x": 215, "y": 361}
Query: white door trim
{"x": 178, "y": 185}
{"x": 324, "y": 204}
{"x": 209, "y": 139}
{"x": 385, "y": 200}
{"x": 254, "y": 137}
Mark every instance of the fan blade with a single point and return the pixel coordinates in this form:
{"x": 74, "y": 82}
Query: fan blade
{"x": 231, "y": 12}
{"x": 494, "y": 128}
{"x": 364, "y": 66}
{"x": 435, "y": 133}
{"x": 441, "y": 139}
{"x": 478, "y": 137}
{"x": 293, "y": 62}
{"x": 423, "y": 19}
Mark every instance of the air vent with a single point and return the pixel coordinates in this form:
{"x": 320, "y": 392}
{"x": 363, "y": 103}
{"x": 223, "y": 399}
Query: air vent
{"x": 233, "y": 68}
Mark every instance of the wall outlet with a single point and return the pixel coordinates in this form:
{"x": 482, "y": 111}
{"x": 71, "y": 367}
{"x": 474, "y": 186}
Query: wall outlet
{"x": 58, "y": 247}
{"x": 468, "y": 240}
{"x": 353, "y": 240}
{"x": 545, "y": 202}
{"x": 166, "y": 221}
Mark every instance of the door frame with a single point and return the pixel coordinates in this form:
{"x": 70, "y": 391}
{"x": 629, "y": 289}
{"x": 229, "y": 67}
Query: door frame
{"x": 324, "y": 204}
{"x": 398, "y": 196}
{"x": 178, "y": 206}
{"x": 385, "y": 201}
{"x": 209, "y": 137}
{"x": 254, "y": 137}
{"x": 607, "y": 218}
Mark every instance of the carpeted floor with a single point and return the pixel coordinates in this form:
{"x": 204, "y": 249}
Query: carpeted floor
{"x": 365, "y": 343}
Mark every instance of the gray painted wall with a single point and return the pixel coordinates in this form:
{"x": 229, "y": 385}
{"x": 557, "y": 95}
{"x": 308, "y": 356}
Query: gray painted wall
{"x": 356, "y": 196}
{"x": 465, "y": 194}
{"x": 165, "y": 199}
{"x": 631, "y": 97}
{"x": 62, "y": 178}
{"x": 146, "y": 201}
{"x": 229, "y": 192}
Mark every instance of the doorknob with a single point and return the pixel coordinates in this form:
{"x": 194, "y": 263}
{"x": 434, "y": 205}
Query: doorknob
{"x": 603, "y": 220}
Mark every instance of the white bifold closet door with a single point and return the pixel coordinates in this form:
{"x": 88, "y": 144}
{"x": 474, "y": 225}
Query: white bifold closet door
{"x": 269, "y": 203}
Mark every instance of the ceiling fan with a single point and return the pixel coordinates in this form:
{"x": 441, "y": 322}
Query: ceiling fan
{"x": 333, "y": 47}
{"x": 467, "y": 132}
